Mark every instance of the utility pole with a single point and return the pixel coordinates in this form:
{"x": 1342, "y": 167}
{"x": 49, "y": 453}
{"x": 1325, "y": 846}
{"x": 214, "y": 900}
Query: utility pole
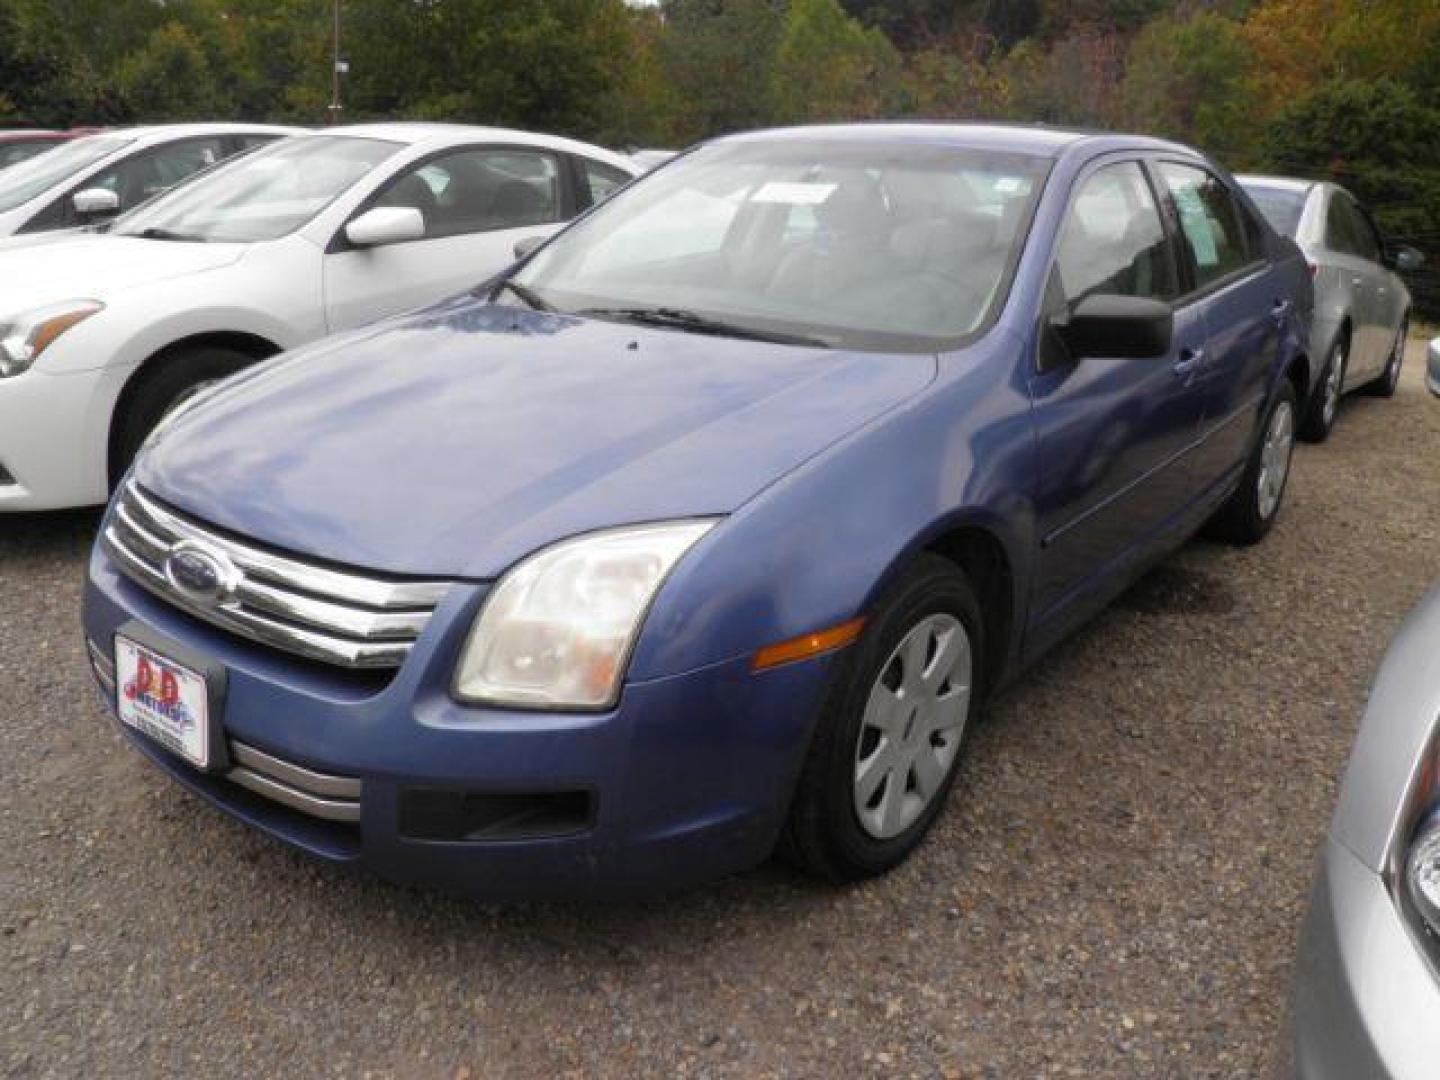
{"x": 337, "y": 66}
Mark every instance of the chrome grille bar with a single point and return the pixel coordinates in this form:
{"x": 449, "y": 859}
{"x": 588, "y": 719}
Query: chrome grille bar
{"x": 336, "y": 616}
{"x": 321, "y": 795}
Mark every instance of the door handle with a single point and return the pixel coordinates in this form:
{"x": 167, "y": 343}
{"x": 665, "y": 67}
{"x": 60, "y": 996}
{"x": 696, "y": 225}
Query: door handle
{"x": 1190, "y": 361}
{"x": 1357, "y": 281}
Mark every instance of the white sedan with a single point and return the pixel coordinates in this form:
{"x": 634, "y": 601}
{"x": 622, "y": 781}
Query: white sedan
{"x": 101, "y": 175}
{"x": 102, "y": 334}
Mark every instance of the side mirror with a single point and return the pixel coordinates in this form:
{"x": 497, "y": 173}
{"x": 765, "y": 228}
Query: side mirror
{"x": 525, "y": 245}
{"x": 386, "y": 225}
{"x": 1406, "y": 259}
{"x": 95, "y": 201}
{"x": 1129, "y": 327}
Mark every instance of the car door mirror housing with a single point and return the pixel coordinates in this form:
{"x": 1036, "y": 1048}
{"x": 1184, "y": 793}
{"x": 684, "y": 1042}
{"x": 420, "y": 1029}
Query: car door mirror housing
{"x": 1407, "y": 259}
{"x": 95, "y": 201}
{"x": 525, "y": 245}
{"x": 1129, "y": 327}
{"x": 386, "y": 225}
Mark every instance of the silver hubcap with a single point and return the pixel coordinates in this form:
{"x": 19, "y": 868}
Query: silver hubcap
{"x": 1275, "y": 459}
{"x": 912, "y": 727}
{"x": 1333, "y": 380}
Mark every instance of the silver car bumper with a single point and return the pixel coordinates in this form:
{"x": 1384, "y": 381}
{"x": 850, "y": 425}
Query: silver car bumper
{"x": 1366, "y": 1000}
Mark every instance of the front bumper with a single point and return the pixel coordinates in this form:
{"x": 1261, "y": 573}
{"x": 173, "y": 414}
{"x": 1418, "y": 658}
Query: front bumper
{"x": 689, "y": 778}
{"x": 54, "y": 438}
{"x": 1366, "y": 998}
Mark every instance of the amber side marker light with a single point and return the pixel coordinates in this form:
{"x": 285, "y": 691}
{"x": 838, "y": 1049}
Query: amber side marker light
{"x": 808, "y": 645}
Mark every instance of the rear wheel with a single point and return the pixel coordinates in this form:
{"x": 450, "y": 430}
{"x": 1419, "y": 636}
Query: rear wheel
{"x": 157, "y": 392}
{"x": 1251, "y": 511}
{"x": 1324, "y": 404}
{"x": 1389, "y": 379}
{"x": 887, "y": 745}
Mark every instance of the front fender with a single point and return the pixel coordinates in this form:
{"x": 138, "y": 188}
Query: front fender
{"x": 817, "y": 547}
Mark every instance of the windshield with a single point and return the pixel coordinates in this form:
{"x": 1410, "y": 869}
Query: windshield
{"x": 262, "y": 196}
{"x": 30, "y": 178}
{"x": 862, "y": 244}
{"x": 1282, "y": 207}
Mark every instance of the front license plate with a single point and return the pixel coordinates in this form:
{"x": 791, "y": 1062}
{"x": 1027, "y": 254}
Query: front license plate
{"x": 164, "y": 700}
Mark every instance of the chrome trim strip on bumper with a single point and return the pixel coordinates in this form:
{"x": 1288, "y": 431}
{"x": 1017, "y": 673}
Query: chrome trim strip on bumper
{"x": 320, "y": 795}
{"x": 337, "y": 617}
{"x": 102, "y": 665}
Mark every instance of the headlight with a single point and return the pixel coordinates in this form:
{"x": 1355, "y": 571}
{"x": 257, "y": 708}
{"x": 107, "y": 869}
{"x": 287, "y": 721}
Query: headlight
{"x": 1416, "y": 862}
{"x": 1422, "y": 874}
{"x": 25, "y": 337}
{"x": 557, "y": 630}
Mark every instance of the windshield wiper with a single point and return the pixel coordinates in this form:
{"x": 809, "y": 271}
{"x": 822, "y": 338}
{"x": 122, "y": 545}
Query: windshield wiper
{"x": 524, "y": 292}
{"x": 166, "y": 234}
{"x": 695, "y": 323}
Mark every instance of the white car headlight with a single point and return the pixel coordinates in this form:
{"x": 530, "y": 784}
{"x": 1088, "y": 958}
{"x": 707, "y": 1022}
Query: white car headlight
{"x": 24, "y": 337}
{"x": 557, "y": 630}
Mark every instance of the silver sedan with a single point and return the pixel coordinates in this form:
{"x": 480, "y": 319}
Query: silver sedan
{"x": 1367, "y": 984}
{"x": 1362, "y": 308}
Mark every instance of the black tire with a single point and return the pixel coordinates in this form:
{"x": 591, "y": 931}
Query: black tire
{"x": 1320, "y": 415}
{"x": 158, "y": 389}
{"x": 823, "y": 835}
{"x": 1389, "y": 380}
{"x": 1242, "y": 519}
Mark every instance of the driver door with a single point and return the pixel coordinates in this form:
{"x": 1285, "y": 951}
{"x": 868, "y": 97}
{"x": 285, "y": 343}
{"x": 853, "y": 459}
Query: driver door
{"x": 1114, "y": 436}
{"x": 476, "y": 203}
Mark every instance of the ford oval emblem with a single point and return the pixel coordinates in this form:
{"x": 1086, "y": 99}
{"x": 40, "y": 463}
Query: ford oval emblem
{"x": 201, "y": 573}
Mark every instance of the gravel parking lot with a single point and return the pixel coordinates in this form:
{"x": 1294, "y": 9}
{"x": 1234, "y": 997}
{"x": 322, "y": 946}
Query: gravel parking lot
{"x": 1115, "y": 890}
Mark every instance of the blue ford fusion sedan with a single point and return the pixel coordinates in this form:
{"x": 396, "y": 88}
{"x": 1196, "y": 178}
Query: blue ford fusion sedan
{"x": 706, "y": 529}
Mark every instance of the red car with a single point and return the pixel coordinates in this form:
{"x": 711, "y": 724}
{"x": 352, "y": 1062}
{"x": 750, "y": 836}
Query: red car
{"x": 19, "y": 145}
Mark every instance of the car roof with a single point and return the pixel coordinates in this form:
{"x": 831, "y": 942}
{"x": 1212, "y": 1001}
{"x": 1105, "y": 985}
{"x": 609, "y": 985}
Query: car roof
{"x": 1041, "y": 140}
{"x": 421, "y": 132}
{"x": 180, "y": 131}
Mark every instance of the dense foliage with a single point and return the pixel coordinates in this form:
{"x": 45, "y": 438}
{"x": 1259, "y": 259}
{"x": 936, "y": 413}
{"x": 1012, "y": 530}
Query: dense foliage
{"x": 1345, "y": 89}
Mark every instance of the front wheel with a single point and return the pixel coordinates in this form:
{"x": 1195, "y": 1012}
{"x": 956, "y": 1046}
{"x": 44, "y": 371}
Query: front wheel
{"x": 1251, "y": 511}
{"x": 159, "y": 391}
{"x": 887, "y": 745}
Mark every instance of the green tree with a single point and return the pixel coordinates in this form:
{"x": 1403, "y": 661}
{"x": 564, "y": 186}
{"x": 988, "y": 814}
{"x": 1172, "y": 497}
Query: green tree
{"x": 718, "y": 54}
{"x": 1381, "y": 140}
{"x": 1187, "y": 77}
{"x": 829, "y": 67}
{"x": 545, "y": 64}
{"x": 172, "y": 78}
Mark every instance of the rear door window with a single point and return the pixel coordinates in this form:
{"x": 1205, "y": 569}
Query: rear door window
{"x": 1212, "y": 229}
{"x": 601, "y": 180}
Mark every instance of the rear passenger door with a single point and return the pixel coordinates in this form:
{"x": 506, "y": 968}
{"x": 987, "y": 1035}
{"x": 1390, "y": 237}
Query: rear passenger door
{"x": 1346, "y": 235}
{"x": 1113, "y": 434}
{"x": 476, "y": 203}
{"x": 1230, "y": 278}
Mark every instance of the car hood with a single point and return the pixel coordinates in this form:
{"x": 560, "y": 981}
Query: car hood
{"x": 90, "y": 266}
{"x": 457, "y": 441}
